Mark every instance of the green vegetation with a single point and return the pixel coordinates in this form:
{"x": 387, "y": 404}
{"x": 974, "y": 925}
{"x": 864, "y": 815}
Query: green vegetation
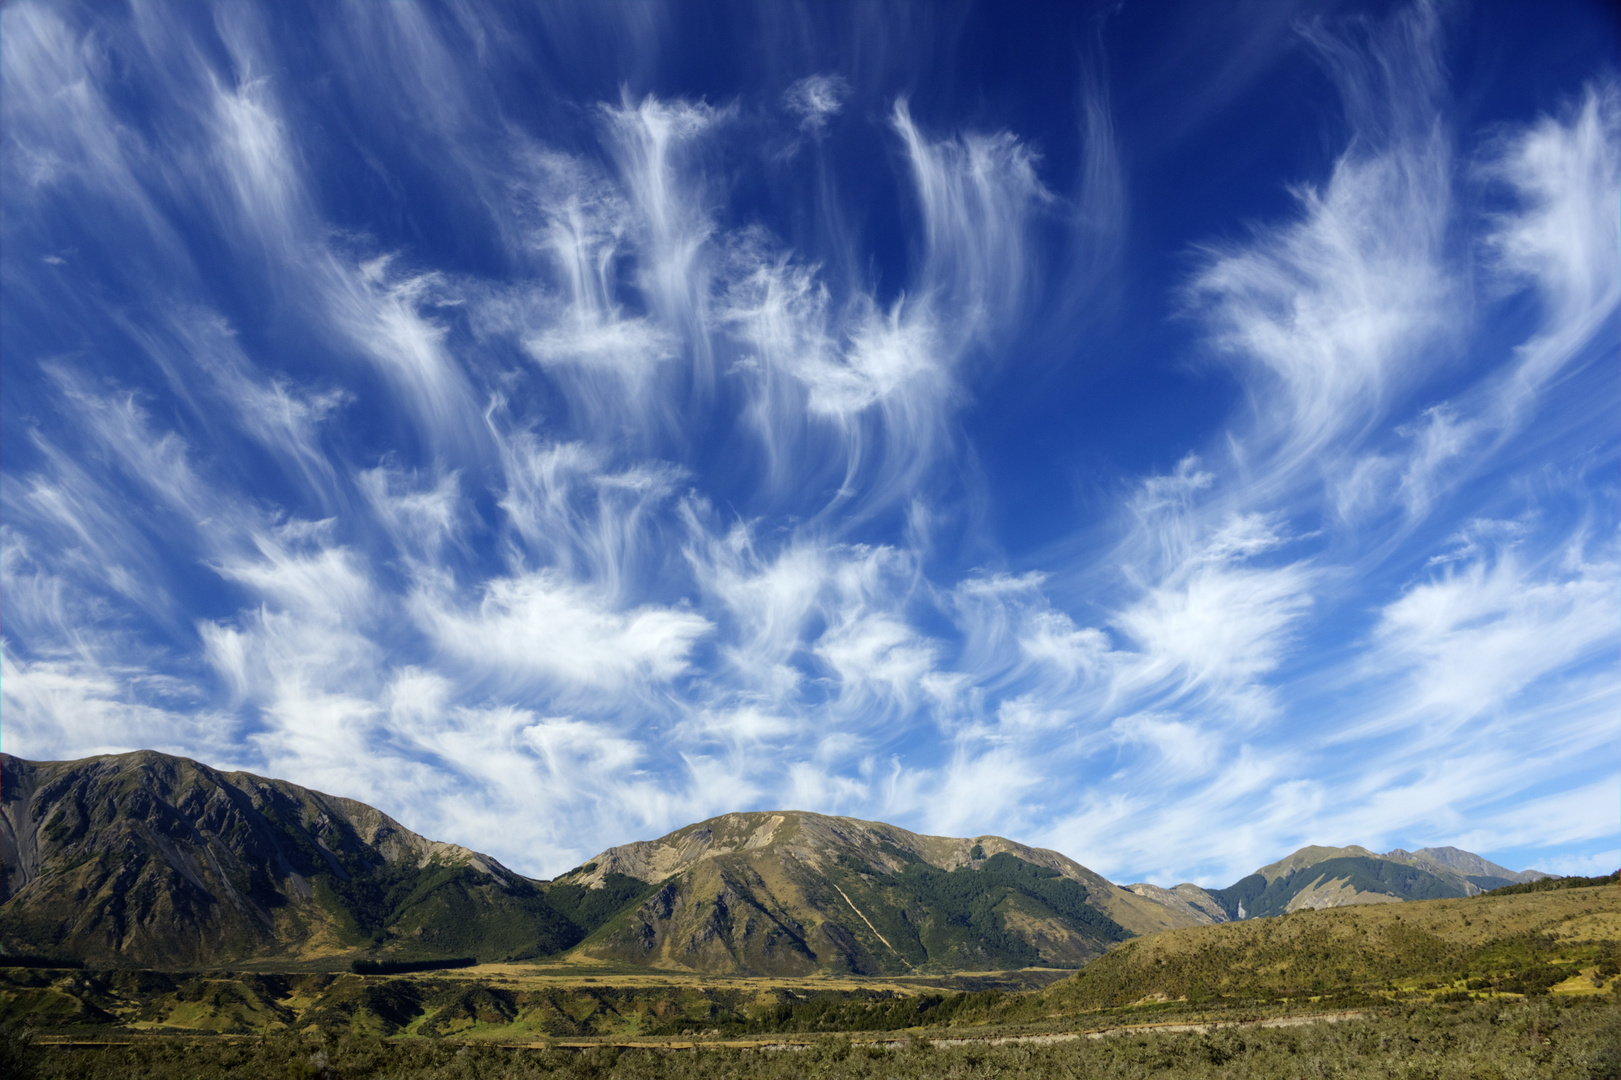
{"x": 1480, "y": 1041}
{"x": 494, "y": 1007}
{"x": 1516, "y": 944}
{"x": 589, "y": 908}
{"x": 1562, "y": 942}
{"x": 960, "y": 918}
{"x": 409, "y": 911}
{"x": 1550, "y": 884}
{"x": 1261, "y": 898}
{"x": 835, "y": 1013}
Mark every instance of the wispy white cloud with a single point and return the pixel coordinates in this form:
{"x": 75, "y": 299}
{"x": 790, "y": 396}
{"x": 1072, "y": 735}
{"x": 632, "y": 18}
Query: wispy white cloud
{"x": 652, "y": 139}
{"x": 541, "y": 626}
{"x": 815, "y": 99}
{"x": 1217, "y": 620}
{"x": 595, "y": 490}
{"x": 71, "y": 708}
{"x": 1562, "y": 240}
{"x": 420, "y": 518}
{"x": 979, "y": 195}
{"x": 884, "y": 376}
{"x": 1479, "y": 633}
{"x": 588, "y": 231}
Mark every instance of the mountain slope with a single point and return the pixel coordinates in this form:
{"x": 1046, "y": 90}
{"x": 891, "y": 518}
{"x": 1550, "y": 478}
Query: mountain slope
{"x": 793, "y": 893}
{"x": 1483, "y": 873}
{"x": 1322, "y": 877}
{"x": 153, "y": 860}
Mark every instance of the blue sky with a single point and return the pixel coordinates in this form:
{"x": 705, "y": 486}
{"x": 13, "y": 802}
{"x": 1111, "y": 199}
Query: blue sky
{"x": 1169, "y": 433}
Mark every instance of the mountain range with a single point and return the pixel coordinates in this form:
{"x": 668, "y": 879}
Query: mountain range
{"x": 1322, "y": 877}
{"x": 149, "y": 860}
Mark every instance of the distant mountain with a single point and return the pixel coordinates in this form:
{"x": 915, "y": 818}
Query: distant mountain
{"x": 1324, "y": 877}
{"x": 150, "y": 860}
{"x": 795, "y": 893}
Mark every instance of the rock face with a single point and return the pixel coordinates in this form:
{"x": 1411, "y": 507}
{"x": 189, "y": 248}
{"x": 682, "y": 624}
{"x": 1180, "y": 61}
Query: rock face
{"x": 149, "y": 860}
{"x": 1324, "y": 877}
{"x": 793, "y": 893}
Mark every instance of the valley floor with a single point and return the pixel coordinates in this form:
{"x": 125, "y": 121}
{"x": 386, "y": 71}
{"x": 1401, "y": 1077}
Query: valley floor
{"x": 1563, "y": 1037}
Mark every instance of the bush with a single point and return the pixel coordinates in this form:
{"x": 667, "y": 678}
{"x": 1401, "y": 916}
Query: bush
{"x": 17, "y": 1057}
{"x": 1482, "y": 1040}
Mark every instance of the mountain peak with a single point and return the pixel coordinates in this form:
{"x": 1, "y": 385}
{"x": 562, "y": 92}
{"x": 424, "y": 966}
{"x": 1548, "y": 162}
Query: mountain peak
{"x": 806, "y": 836}
{"x": 149, "y": 859}
{"x": 1319, "y": 877}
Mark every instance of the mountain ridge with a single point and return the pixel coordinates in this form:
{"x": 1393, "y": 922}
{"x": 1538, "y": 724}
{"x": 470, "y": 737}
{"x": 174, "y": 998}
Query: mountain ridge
{"x": 1316, "y": 877}
{"x": 149, "y": 859}
{"x": 846, "y": 895}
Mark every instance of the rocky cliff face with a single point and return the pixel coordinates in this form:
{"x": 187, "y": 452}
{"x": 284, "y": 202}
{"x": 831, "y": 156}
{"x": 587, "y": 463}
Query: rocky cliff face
{"x": 793, "y": 893}
{"x": 146, "y": 859}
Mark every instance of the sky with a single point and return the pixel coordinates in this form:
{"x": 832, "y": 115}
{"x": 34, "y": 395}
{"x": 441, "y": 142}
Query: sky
{"x": 1170, "y": 433}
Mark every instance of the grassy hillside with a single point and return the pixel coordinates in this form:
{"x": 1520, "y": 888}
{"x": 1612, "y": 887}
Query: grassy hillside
{"x": 1520, "y": 943}
{"x": 1548, "y": 884}
{"x": 483, "y": 1004}
{"x": 1358, "y": 877}
{"x": 1003, "y": 912}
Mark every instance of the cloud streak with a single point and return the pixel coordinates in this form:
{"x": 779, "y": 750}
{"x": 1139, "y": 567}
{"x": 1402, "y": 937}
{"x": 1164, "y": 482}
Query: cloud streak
{"x": 556, "y": 467}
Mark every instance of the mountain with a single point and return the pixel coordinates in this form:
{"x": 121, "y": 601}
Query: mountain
{"x": 796, "y": 893}
{"x": 1324, "y": 877}
{"x": 149, "y": 860}
{"x": 145, "y": 859}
